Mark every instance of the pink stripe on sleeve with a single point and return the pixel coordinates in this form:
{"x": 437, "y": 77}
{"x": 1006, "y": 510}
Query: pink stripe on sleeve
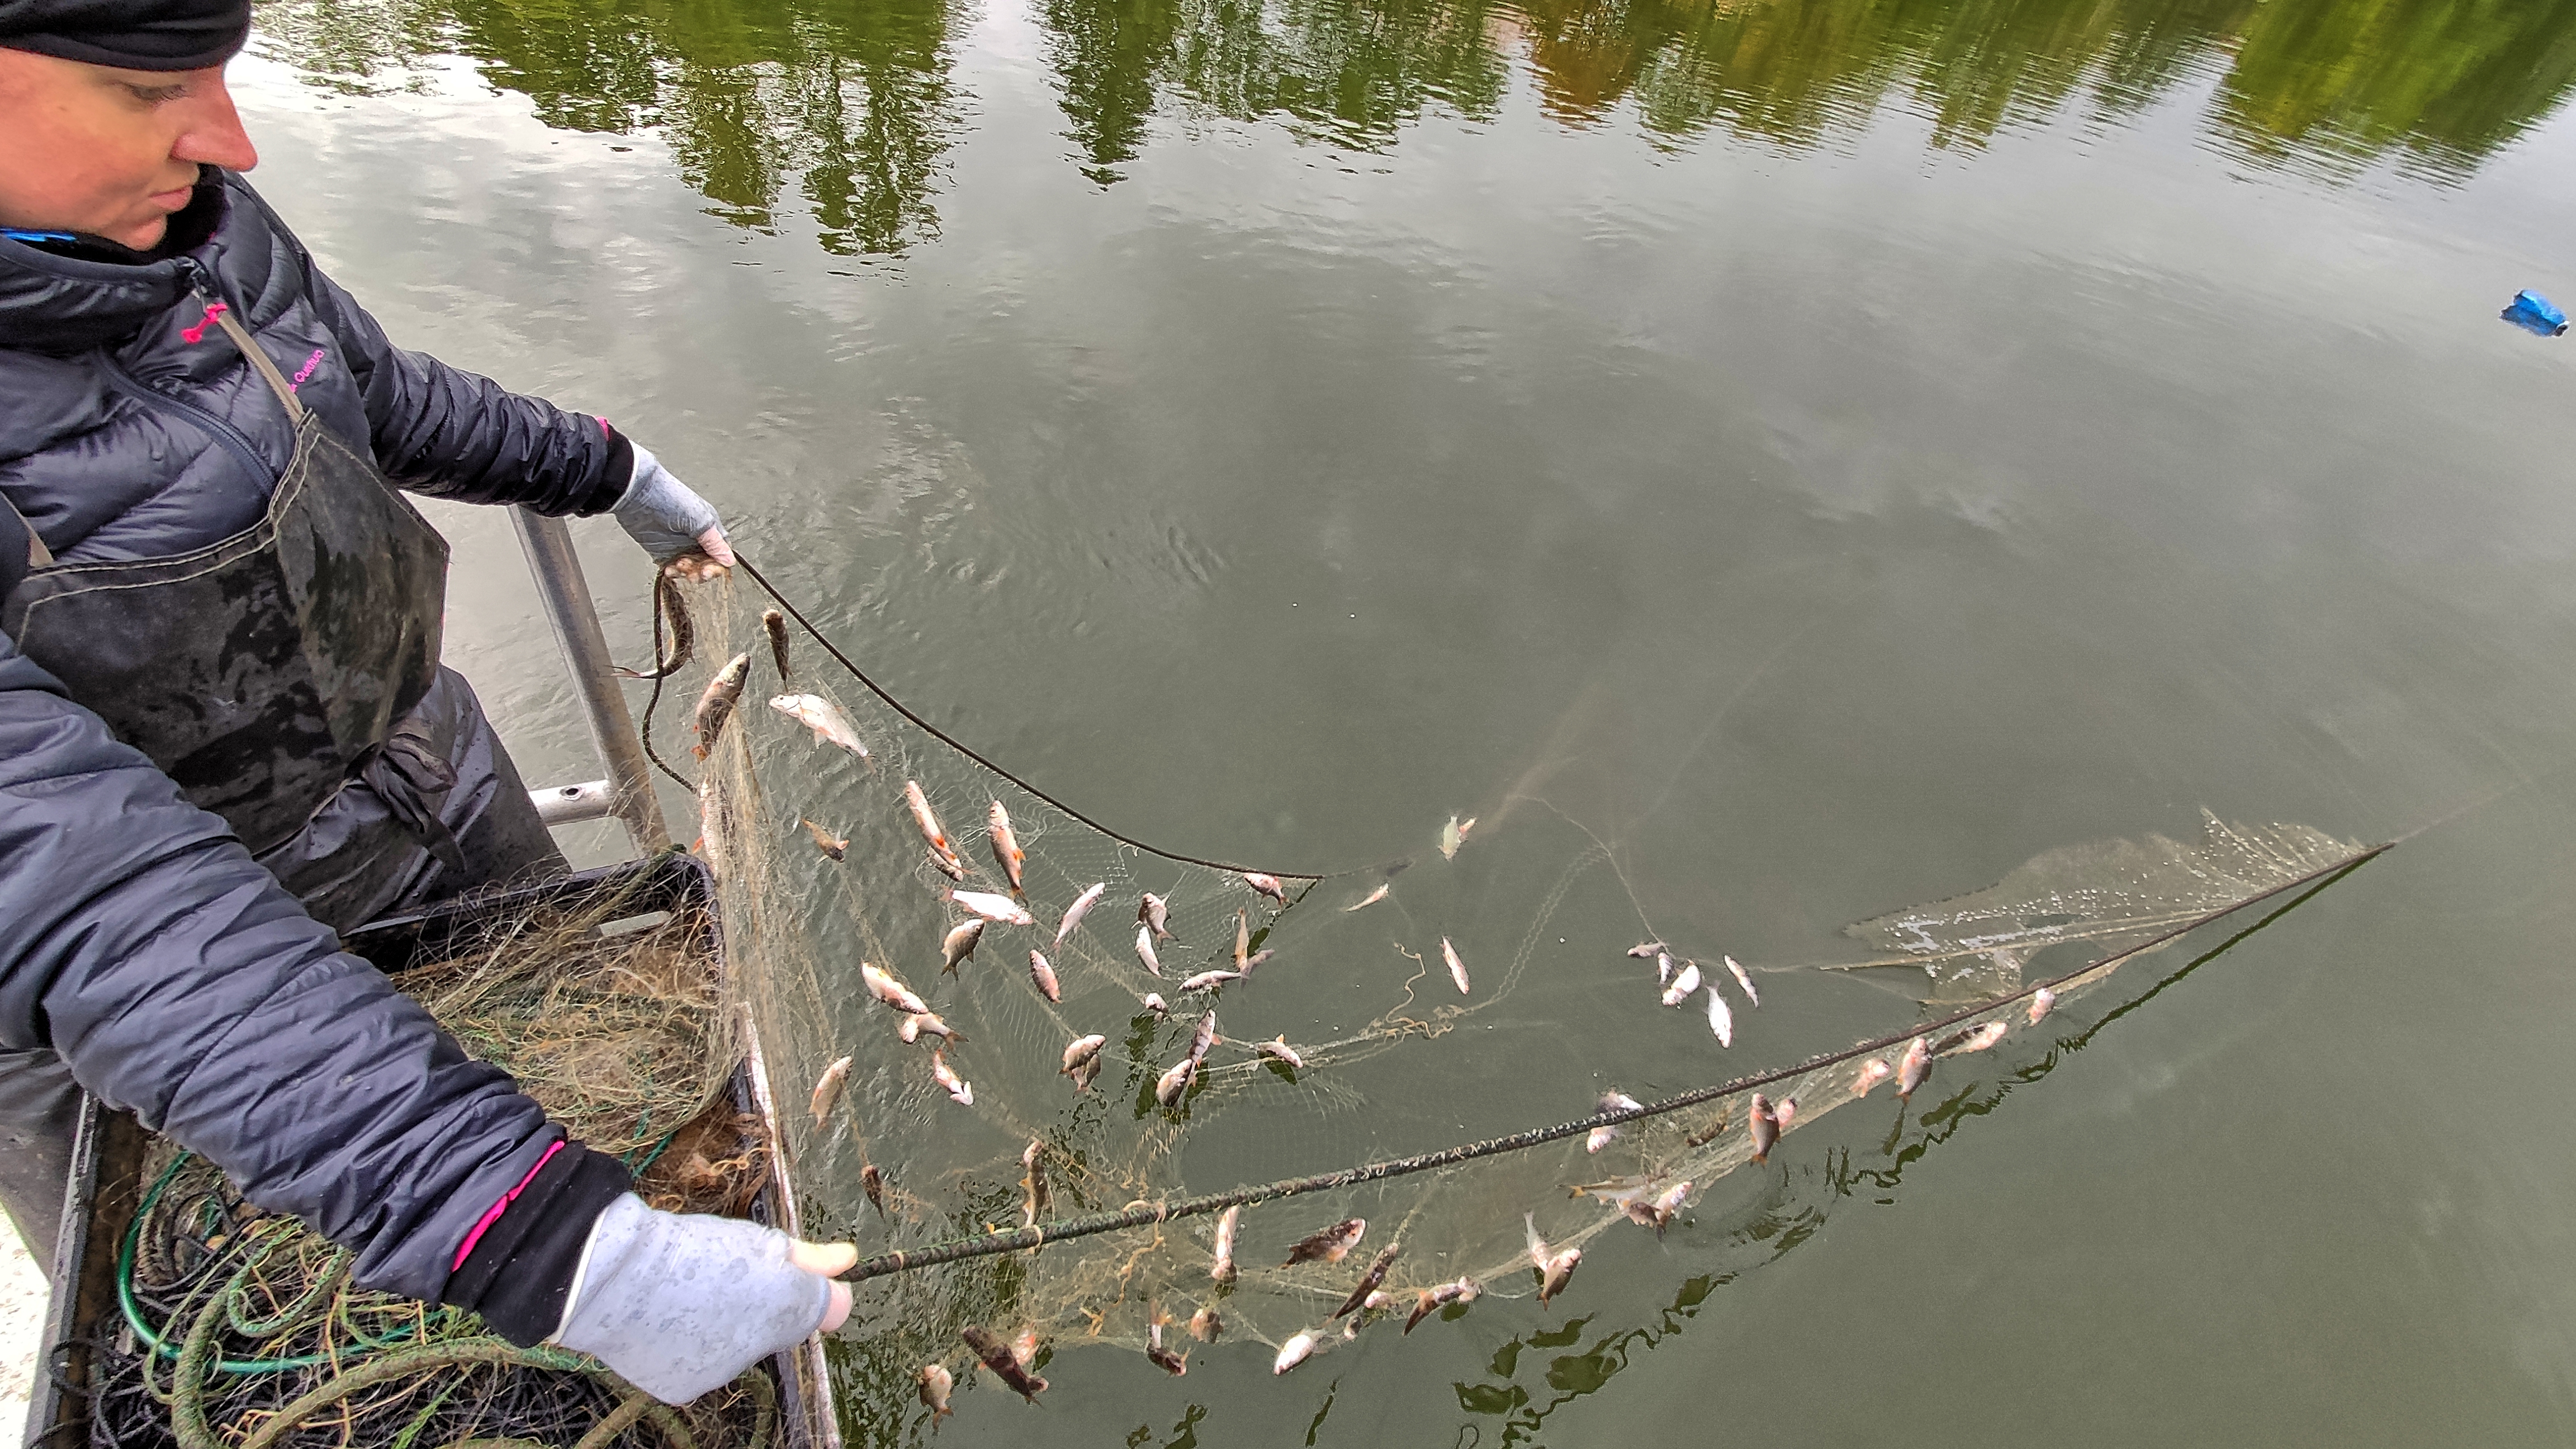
{"x": 493, "y": 1214}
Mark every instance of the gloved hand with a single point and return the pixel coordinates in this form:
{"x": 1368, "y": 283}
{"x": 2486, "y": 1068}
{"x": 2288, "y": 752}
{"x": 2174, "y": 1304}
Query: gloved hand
{"x": 680, "y": 1304}
{"x": 677, "y": 527}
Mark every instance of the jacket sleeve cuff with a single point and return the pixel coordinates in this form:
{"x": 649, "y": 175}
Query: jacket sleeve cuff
{"x": 518, "y": 1267}
{"x": 615, "y": 475}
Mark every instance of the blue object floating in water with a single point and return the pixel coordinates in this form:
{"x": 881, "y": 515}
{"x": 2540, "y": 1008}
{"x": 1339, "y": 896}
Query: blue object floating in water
{"x": 2536, "y": 314}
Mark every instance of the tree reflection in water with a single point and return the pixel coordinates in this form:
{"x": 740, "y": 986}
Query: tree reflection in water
{"x": 850, "y": 104}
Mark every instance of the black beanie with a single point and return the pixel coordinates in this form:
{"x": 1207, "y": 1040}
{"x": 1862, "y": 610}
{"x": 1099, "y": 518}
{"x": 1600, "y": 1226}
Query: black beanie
{"x": 128, "y": 34}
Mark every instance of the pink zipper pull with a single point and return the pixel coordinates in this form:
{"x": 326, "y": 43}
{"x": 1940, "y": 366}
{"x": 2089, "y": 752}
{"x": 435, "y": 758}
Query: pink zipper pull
{"x": 194, "y": 335}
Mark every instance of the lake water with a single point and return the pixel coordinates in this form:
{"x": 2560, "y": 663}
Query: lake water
{"x": 1831, "y": 453}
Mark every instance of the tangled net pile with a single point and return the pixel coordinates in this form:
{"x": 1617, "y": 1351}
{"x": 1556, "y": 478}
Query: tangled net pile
{"x": 1019, "y": 1209}
{"x": 241, "y": 1330}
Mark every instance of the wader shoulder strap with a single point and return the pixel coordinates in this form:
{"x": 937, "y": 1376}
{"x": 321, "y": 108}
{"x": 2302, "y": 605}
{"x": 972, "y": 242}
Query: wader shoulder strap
{"x": 259, "y": 360}
{"x": 16, "y": 562}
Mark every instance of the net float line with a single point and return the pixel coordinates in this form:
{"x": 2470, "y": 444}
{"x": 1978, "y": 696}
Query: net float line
{"x": 952, "y": 742}
{"x": 1038, "y": 1235}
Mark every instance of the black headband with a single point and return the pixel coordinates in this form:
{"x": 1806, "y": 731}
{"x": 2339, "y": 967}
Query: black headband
{"x": 129, "y": 34}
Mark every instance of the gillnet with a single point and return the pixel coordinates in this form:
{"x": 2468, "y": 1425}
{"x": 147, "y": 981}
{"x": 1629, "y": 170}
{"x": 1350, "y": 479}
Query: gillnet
{"x": 241, "y": 1330}
{"x": 1372, "y": 1045}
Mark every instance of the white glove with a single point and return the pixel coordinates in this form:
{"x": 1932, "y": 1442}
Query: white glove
{"x": 675, "y": 525}
{"x": 678, "y": 1305}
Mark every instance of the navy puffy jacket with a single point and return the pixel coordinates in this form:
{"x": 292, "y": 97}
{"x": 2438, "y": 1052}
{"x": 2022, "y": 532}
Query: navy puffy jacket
{"x": 137, "y": 938}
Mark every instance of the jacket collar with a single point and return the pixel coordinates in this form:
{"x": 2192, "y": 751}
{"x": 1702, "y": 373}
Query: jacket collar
{"x": 57, "y": 303}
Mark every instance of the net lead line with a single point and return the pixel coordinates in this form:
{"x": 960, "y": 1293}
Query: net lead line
{"x": 1022, "y": 1239}
{"x": 952, "y": 742}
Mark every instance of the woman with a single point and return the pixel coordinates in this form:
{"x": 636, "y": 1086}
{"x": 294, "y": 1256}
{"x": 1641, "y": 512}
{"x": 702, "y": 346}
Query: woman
{"x": 224, "y": 730}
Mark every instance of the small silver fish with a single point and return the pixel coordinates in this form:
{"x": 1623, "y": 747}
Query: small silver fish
{"x": 1766, "y": 1128}
{"x": 1205, "y": 1325}
{"x": 2040, "y": 1003}
{"x": 1222, "y": 1270}
{"x": 1453, "y": 835}
{"x": 1983, "y": 1037}
{"x": 1744, "y": 979}
{"x": 827, "y": 1089}
{"x": 926, "y": 1023}
{"x": 1435, "y": 1299}
{"x": 922, "y": 817}
{"x": 1298, "y": 1348}
{"x": 1555, "y": 1269}
{"x": 1369, "y": 1280}
{"x": 1872, "y": 1072}
{"x": 1044, "y": 975}
{"x": 1671, "y": 1202}
{"x": 1242, "y": 939}
{"x": 1039, "y": 1199}
{"x": 1005, "y": 1364}
{"x": 774, "y": 624}
{"x": 1784, "y": 1112}
{"x": 823, "y": 717}
{"x": 1720, "y": 1019}
{"x": 1635, "y": 1206}
{"x": 1255, "y": 959}
{"x": 1663, "y": 968}
{"x": 837, "y": 847}
{"x": 1086, "y": 1074}
{"x": 1277, "y": 1049}
{"x": 1916, "y": 1066}
{"x": 994, "y": 908}
{"x": 937, "y": 1383}
{"x": 1644, "y": 949}
{"x": 1268, "y": 885}
{"x": 1145, "y": 950}
{"x": 715, "y": 819}
{"x": 959, "y": 943}
{"x": 1372, "y": 898}
{"x": 1154, "y": 913}
{"x": 1163, "y": 1358}
{"x": 958, "y": 1088}
{"x": 1715, "y": 1129}
{"x": 1006, "y": 846}
{"x": 1083, "y": 1049}
{"x": 1457, "y": 968}
{"x": 1175, "y": 1084}
{"x": 1209, "y": 980}
{"x": 1328, "y": 1245}
{"x": 1203, "y": 1037}
{"x": 716, "y": 705}
{"x": 1081, "y": 907}
{"x": 1685, "y": 981}
{"x": 1153, "y": 1001}
{"x": 947, "y": 865}
{"x": 1601, "y": 1137}
{"x": 884, "y": 987}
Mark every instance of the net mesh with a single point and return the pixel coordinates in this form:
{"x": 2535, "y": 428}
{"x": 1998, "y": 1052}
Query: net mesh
{"x": 1359, "y": 990}
{"x": 242, "y": 1329}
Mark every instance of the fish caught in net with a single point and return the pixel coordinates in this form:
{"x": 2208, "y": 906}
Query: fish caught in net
{"x": 1076, "y": 1093}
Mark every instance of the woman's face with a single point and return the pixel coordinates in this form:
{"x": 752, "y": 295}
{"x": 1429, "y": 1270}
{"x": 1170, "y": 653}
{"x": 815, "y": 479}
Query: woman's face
{"x": 89, "y": 148}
